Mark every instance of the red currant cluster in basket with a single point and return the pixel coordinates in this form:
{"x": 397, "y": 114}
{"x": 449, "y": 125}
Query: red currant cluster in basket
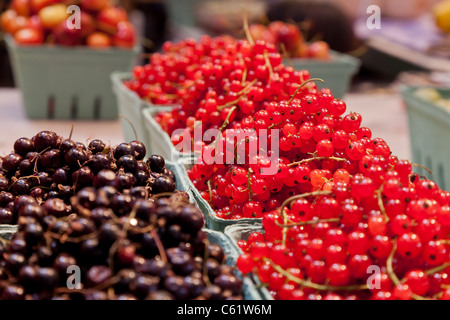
{"x": 205, "y": 79}
{"x": 389, "y": 243}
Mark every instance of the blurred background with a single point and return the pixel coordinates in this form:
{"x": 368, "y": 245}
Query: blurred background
{"x": 409, "y": 40}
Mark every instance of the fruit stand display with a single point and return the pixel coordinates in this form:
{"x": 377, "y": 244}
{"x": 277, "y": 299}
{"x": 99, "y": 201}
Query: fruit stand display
{"x": 338, "y": 202}
{"x": 282, "y": 193}
{"x": 64, "y": 60}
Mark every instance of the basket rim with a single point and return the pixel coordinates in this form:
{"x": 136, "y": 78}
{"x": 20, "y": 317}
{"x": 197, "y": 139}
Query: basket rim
{"x": 417, "y": 103}
{"x": 336, "y": 57}
{"x": 54, "y": 48}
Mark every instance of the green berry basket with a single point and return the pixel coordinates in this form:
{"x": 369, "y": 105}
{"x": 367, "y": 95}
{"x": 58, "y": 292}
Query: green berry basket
{"x": 7, "y": 231}
{"x": 250, "y": 286}
{"x": 181, "y": 179}
{"x": 68, "y": 82}
{"x": 159, "y": 141}
{"x": 131, "y": 107}
{"x": 213, "y": 222}
{"x": 242, "y": 232}
{"x": 337, "y": 73}
{"x": 429, "y": 130}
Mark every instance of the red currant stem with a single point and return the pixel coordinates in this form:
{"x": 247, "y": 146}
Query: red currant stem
{"x": 437, "y": 269}
{"x": 268, "y": 65}
{"x": 248, "y": 86}
{"x": 314, "y": 159}
{"x": 445, "y": 286}
{"x": 389, "y": 268}
{"x": 422, "y": 167}
{"x": 312, "y": 285}
{"x": 241, "y": 96}
{"x": 224, "y": 125}
{"x": 293, "y": 198}
{"x": 274, "y": 125}
{"x": 303, "y": 84}
{"x": 249, "y": 176}
{"x": 131, "y": 125}
{"x": 306, "y": 223}
{"x": 390, "y": 271}
{"x": 247, "y": 30}
{"x": 447, "y": 242}
{"x": 227, "y": 119}
{"x": 210, "y": 191}
{"x": 381, "y": 205}
{"x": 159, "y": 245}
{"x": 285, "y": 54}
{"x": 244, "y": 77}
{"x": 168, "y": 95}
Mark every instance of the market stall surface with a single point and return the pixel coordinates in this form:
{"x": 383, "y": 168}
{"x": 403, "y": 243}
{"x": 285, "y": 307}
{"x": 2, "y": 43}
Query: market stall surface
{"x": 384, "y": 113}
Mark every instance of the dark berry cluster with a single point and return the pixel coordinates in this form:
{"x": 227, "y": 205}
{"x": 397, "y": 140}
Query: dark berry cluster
{"x": 51, "y": 169}
{"x": 110, "y": 213}
{"x": 152, "y": 249}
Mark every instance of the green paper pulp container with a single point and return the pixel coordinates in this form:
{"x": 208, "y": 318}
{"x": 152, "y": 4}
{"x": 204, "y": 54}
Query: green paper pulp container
{"x": 337, "y": 73}
{"x": 429, "y": 130}
{"x": 68, "y": 82}
{"x": 159, "y": 141}
{"x": 131, "y": 108}
{"x": 250, "y": 286}
{"x": 242, "y": 232}
{"x": 213, "y": 222}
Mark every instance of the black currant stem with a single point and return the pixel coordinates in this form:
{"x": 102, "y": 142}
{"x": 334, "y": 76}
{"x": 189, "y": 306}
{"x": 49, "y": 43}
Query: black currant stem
{"x": 159, "y": 245}
{"x": 312, "y": 285}
{"x": 381, "y": 204}
{"x": 314, "y": 159}
{"x": 422, "y": 167}
{"x": 71, "y": 131}
{"x": 307, "y": 223}
{"x": 437, "y": 269}
{"x": 131, "y": 125}
{"x": 289, "y": 200}
{"x": 64, "y": 238}
{"x": 247, "y": 30}
{"x": 303, "y": 84}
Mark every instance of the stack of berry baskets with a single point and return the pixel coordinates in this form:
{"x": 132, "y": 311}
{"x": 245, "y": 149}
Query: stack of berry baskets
{"x": 131, "y": 106}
